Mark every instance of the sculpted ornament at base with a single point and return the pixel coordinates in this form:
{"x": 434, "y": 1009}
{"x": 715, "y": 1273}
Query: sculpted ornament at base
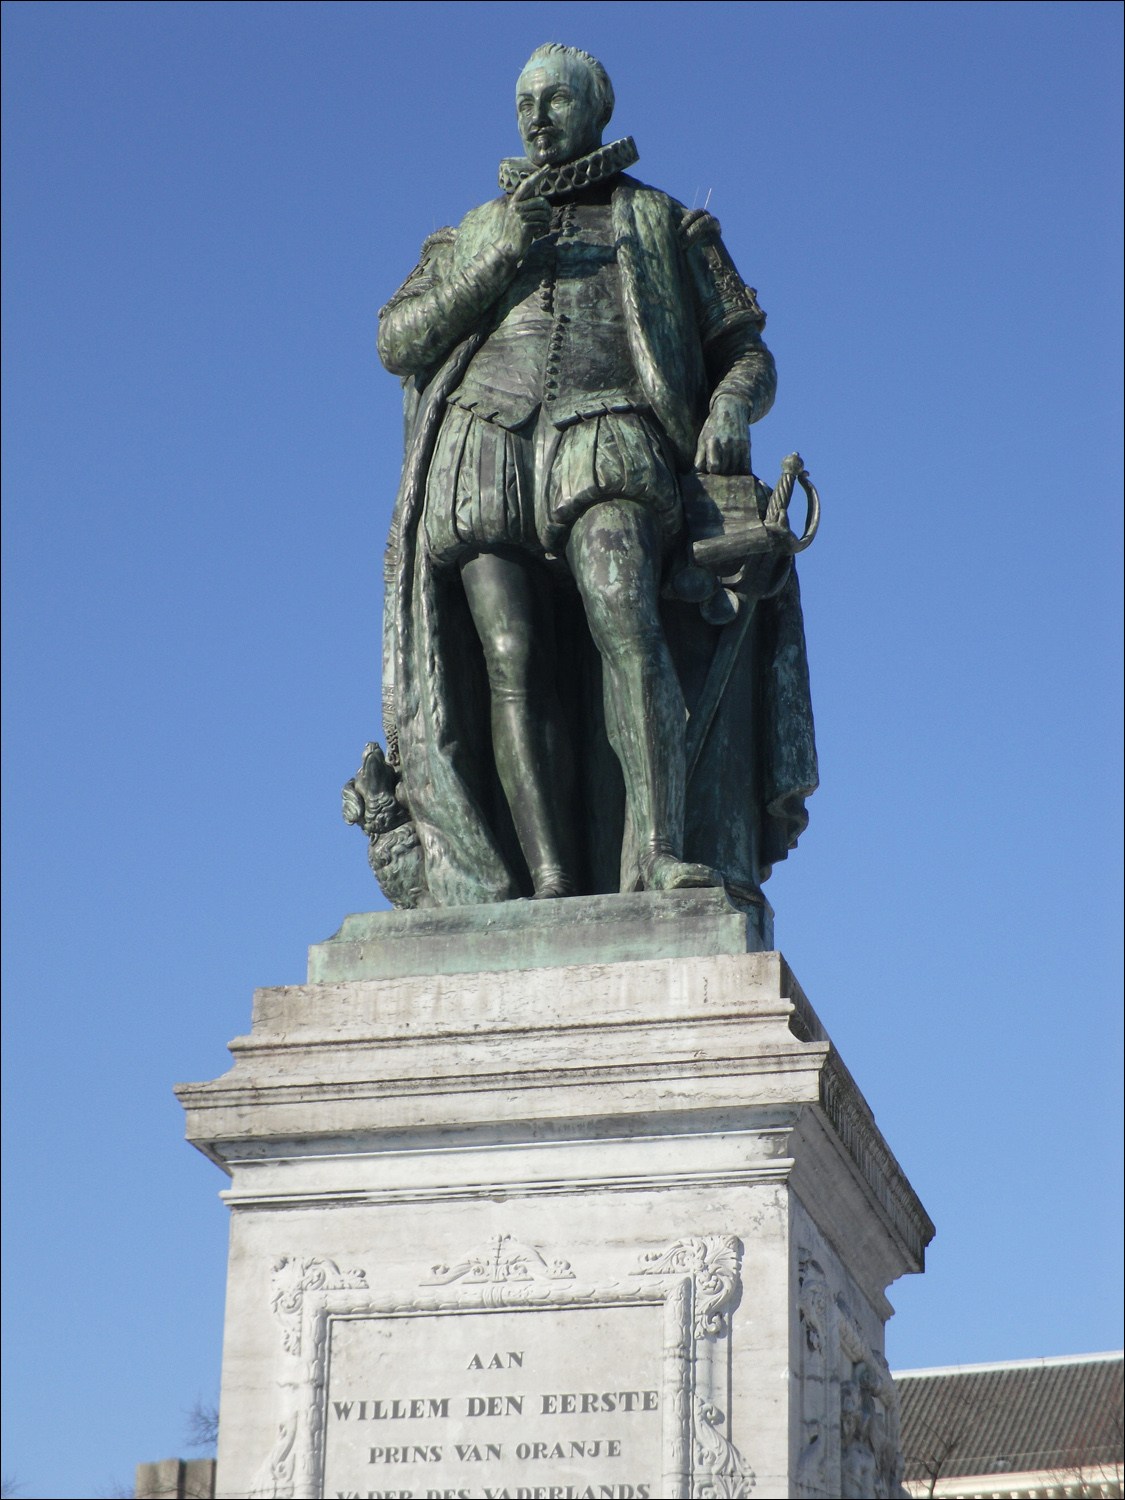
{"x": 594, "y": 667}
{"x": 849, "y": 1443}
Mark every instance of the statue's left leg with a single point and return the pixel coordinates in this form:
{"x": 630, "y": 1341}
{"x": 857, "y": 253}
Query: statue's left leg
{"x": 614, "y": 552}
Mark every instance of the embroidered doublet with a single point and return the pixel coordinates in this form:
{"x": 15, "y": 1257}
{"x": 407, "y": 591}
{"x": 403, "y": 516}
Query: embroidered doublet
{"x": 560, "y": 339}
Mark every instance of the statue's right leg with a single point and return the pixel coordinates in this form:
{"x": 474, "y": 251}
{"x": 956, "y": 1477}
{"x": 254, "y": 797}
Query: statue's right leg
{"x": 511, "y": 610}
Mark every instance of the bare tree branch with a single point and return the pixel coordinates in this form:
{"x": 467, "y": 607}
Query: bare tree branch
{"x": 948, "y": 1436}
{"x": 202, "y": 1425}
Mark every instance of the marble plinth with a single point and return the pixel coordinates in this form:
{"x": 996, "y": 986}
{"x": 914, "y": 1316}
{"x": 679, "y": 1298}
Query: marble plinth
{"x": 587, "y": 1210}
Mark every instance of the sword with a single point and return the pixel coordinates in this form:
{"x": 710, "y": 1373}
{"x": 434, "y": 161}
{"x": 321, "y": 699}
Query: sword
{"x": 724, "y": 528}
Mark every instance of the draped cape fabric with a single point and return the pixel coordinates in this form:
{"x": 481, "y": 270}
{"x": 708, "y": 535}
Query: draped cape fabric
{"x": 745, "y": 806}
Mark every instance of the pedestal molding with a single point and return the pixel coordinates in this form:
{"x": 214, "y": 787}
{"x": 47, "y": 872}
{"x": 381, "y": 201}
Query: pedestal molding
{"x": 499, "y": 1191}
{"x": 855, "y": 1127}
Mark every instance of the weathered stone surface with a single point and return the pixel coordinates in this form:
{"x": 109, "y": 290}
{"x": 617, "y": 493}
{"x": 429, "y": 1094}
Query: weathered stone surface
{"x": 651, "y": 1179}
{"x": 176, "y": 1479}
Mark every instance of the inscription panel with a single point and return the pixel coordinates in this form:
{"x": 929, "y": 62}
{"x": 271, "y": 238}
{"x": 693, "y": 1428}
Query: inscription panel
{"x": 508, "y": 1403}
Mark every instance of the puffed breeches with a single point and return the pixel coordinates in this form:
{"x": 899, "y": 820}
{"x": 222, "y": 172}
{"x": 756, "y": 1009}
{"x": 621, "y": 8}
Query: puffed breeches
{"x": 491, "y": 487}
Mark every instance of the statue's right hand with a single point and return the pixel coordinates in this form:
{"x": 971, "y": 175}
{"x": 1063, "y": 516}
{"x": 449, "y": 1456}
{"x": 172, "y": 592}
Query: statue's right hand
{"x": 526, "y": 216}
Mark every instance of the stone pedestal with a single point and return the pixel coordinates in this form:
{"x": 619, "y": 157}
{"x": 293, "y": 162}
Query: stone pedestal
{"x": 553, "y": 1199}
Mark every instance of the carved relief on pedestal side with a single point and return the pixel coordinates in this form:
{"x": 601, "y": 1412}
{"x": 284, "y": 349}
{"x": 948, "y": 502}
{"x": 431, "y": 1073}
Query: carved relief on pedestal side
{"x": 292, "y": 1279}
{"x": 719, "y": 1471}
{"x": 500, "y": 1259}
{"x": 818, "y": 1457}
{"x": 712, "y": 1262}
{"x": 848, "y": 1443}
{"x": 870, "y": 1461}
{"x": 696, "y": 1281}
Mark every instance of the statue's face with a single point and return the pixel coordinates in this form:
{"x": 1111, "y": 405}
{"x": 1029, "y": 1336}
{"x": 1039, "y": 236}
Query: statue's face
{"x": 557, "y": 111}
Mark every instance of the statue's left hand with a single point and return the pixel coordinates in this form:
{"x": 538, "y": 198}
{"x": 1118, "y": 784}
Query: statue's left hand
{"x": 724, "y": 443}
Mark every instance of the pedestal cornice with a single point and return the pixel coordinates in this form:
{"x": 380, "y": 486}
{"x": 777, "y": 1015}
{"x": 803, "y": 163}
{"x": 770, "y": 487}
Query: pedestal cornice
{"x": 612, "y": 1077}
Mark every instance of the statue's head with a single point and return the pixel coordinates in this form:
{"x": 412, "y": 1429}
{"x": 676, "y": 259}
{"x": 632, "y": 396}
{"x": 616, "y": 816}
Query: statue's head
{"x": 564, "y": 101}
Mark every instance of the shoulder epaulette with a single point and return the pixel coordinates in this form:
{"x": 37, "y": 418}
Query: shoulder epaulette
{"x": 698, "y": 223}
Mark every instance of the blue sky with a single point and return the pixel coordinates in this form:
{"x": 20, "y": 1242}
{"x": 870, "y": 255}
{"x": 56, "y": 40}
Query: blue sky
{"x": 206, "y": 206}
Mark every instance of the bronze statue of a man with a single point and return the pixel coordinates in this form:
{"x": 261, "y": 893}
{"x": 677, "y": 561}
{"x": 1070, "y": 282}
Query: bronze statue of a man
{"x": 570, "y": 353}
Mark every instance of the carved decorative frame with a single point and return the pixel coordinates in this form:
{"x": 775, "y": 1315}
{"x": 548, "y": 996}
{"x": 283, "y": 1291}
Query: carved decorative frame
{"x": 842, "y": 1451}
{"x": 696, "y": 1282}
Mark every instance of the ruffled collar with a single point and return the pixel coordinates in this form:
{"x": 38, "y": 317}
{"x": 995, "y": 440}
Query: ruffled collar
{"x": 572, "y": 176}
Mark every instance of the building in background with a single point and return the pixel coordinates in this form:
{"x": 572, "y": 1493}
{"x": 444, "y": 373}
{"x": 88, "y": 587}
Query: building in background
{"x": 1033, "y": 1428}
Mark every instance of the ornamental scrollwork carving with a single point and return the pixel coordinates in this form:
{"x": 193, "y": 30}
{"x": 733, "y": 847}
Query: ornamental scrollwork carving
{"x": 719, "y": 1470}
{"x": 275, "y": 1478}
{"x": 712, "y": 1261}
{"x": 499, "y": 1260}
{"x": 292, "y": 1278}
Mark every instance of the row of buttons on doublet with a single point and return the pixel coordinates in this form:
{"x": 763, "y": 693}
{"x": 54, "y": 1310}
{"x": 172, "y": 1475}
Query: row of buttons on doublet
{"x": 554, "y": 349}
{"x": 566, "y": 227}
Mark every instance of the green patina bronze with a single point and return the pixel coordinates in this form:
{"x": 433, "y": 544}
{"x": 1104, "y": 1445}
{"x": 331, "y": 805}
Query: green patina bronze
{"x": 594, "y": 659}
